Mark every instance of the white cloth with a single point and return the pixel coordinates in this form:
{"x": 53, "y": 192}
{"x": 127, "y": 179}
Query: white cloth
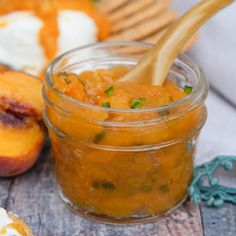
{"x": 215, "y": 50}
{"x": 218, "y": 136}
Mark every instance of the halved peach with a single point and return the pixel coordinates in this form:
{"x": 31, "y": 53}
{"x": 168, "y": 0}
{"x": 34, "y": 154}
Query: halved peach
{"x": 22, "y": 132}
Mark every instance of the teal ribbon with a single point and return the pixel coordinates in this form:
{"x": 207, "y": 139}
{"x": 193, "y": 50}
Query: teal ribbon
{"x": 210, "y": 189}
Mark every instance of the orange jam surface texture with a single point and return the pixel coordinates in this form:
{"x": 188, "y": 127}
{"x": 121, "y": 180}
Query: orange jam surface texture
{"x": 112, "y": 182}
{"x": 102, "y": 88}
{"x": 47, "y": 10}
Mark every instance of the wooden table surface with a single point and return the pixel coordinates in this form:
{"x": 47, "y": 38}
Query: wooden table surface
{"x": 34, "y": 197}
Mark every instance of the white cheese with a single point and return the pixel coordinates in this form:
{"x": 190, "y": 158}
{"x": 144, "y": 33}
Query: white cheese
{"x": 75, "y": 29}
{"x": 4, "y": 218}
{"x": 19, "y": 38}
{"x": 11, "y": 232}
{"x": 19, "y": 42}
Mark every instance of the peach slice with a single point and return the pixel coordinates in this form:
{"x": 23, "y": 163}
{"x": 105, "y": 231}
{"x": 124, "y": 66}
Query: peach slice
{"x": 22, "y": 132}
{"x": 20, "y": 225}
{"x": 14, "y": 223}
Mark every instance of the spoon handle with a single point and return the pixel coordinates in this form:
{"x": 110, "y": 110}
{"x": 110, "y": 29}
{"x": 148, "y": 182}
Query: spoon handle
{"x": 154, "y": 66}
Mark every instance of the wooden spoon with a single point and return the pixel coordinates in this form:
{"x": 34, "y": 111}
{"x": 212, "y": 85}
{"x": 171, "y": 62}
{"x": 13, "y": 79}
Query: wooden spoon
{"x": 154, "y": 66}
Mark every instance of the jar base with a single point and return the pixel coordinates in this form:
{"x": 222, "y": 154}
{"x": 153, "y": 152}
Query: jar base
{"x": 116, "y": 221}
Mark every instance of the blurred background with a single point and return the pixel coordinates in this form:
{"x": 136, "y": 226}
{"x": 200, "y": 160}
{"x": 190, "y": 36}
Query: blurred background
{"x": 215, "y": 52}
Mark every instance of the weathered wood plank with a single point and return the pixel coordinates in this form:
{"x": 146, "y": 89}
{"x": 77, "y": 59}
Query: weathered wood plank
{"x": 5, "y": 186}
{"x": 219, "y": 221}
{"x": 34, "y": 197}
{"x": 184, "y": 221}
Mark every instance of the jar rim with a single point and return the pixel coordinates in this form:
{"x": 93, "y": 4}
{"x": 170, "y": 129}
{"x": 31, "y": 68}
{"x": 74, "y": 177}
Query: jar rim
{"x": 197, "y": 91}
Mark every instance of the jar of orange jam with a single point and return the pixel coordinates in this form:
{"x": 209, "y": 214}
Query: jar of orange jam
{"x": 118, "y": 161}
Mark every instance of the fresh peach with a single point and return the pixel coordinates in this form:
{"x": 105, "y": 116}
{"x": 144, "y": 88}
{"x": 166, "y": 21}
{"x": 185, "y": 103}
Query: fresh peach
{"x": 22, "y": 132}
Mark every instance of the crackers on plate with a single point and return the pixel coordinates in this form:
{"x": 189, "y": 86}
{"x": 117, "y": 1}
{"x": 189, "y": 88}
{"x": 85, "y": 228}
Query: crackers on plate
{"x": 140, "y": 20}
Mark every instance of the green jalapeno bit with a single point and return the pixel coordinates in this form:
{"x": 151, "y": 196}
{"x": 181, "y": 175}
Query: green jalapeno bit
{"x": 188, "y": 89}
{"x": 106, "y": 104}
{"x": 63, "y": 75}
{"x": 164, "y": 113}
{"x": 146, "y": 188}
{"x": 147, "y": 185}
{"x": 138, "y": 103}
{"x": 98, "y": 137}
{"x": 110, "y": 91}
{"x": 104, "y": 184}
{"x": 164, "y": 188}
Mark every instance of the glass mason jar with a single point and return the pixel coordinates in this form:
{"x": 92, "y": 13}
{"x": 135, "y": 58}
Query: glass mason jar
{"x": 123, "y": 165}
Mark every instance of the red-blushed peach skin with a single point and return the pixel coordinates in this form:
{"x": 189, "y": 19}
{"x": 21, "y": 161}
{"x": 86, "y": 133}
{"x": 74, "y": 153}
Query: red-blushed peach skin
{"x": 22, "y": 132}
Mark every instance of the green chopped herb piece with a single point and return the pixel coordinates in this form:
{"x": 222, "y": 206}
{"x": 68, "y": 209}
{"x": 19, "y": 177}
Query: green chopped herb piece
{"x": 138, "y": 103}
{"x": 63, "y": 75}
{"x": 146, "y": 188}
{"x": 164, "y": 113}
{"x": 188, "y": 89}
{"x": 147, "y": 185}
{"x": 104, "y": 184}
{"x": 164, "y": 188}
{"x": 135, "y": 104}
{"x": 98, "y": 137}
{"x": 106, "y": 104}
{"x": 108, "y": 185}
{"x": 110, "y": 91}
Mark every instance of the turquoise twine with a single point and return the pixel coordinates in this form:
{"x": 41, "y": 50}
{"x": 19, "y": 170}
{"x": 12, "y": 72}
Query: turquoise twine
{"x": 210, "y": 190}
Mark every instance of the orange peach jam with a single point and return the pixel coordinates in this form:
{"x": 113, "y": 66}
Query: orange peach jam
{"x": 102, "y": 88}
{"x": 19, "y": 229}
{"x": 126, "y": 171}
